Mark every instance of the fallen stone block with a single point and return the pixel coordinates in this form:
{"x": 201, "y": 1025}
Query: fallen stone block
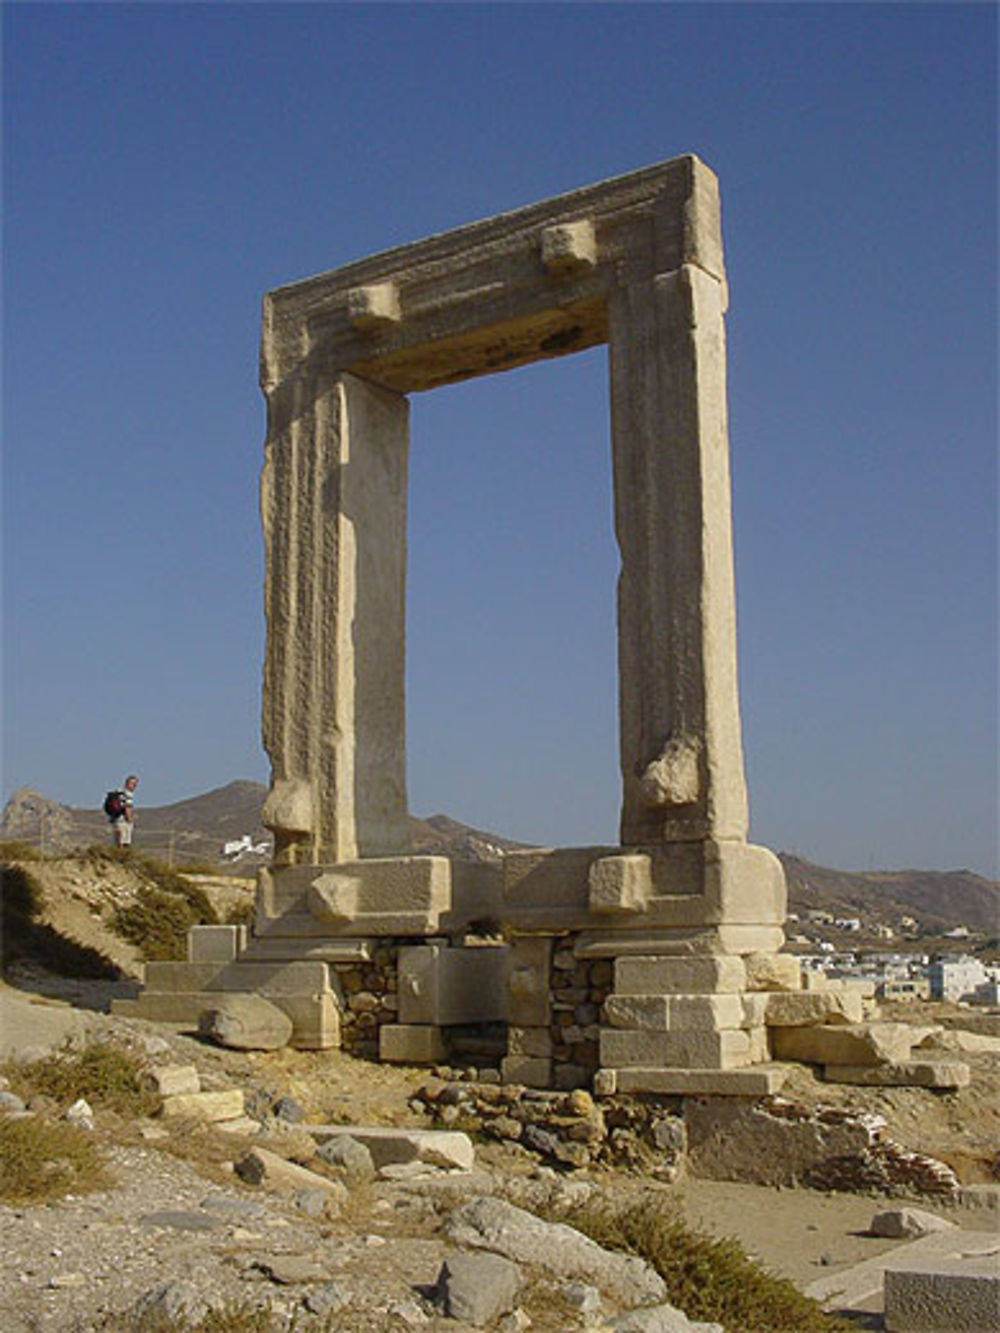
{"x": 809, "y": 1008}
{"x": 958, "y": 1295}
{"x": 853, "y": 1044}
{"x": 439, "y": 1147}
{"x": 493, "y": 1224}
{"x": 955, "y": 1039}
{"x": 905, "y": 1074}
{"x": 208, "y": 1106}
{"x": 907, "y": 1223}
{"x": 477, "y": 1288}
{"x": 246, "y": 1023}
{"x": 267, "y": 1169}
{"x": 172, "y": 1080}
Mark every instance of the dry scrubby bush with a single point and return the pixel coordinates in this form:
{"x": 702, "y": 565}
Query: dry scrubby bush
{"x": 105, "y": 1076}
{"x": 709, "y": 1279}
{"x": 40, "y": 1160}
{"x": 157, "y": 922}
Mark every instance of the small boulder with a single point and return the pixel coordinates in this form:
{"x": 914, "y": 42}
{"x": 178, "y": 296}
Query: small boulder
{"x": 178, "y": 1302}
{"x": 477, "y": 1288}
{"x": 350, "y": 1157}
{"x": 906, "y": 1223}
{"x": 246, "y": 1023}
{"x": 80, "y": 1114}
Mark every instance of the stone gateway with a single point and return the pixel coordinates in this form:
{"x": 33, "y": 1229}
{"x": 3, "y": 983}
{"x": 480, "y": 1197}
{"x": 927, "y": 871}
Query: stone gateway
{"x": 650, "y": 966}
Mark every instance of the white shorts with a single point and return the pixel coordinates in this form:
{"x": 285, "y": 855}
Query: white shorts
{"x": 121, "y": 832}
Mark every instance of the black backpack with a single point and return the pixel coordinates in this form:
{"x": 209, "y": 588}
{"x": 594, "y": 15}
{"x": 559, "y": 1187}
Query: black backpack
{"x": 114, "y": 804}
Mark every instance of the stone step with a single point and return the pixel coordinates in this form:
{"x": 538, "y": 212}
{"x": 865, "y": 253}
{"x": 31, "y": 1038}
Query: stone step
{"x": 755, "y": 1081}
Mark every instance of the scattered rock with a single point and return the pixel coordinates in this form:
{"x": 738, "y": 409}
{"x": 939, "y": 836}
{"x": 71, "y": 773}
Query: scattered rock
{"x": 180, "y": 1220}
{"x": 290, "y": 1269}
{"x": 350, "y": 1157}
{"x": 80, "y": 1114}
{"x": 178, "y": 1302}
{"x": 586, "y": 1299}
{"x": 66, "y": 1281}
{"x": 287, "y": 1108}
{"x": 325, "y": 1300}
{"x": 659, "y": 1319}
{"x": 477, "y": 1288}
{"x": 172, "y": 1080}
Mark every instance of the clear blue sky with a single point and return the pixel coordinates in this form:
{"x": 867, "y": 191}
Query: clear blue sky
{"x": 165, "y": 165}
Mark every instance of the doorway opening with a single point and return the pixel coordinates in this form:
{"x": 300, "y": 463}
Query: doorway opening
{"x": 512, "y": 677}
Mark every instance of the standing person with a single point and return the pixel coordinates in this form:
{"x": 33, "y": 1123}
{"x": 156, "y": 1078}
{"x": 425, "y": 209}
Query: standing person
{"x": 118, "y": 806}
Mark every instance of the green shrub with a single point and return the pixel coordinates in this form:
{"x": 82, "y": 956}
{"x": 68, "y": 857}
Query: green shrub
{"x": 40, "y": 1161}
{"x": 104, "y": 1075}
{"x": 711, "y": 1280}
{"x": 158, "y": 921}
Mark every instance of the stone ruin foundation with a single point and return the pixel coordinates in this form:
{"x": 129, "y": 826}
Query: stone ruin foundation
{"x": 653, "y": 966}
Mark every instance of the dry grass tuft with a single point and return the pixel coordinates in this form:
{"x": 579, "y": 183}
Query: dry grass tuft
{"x": 41, "y": 1161}
{"x": 107, "y": 1077}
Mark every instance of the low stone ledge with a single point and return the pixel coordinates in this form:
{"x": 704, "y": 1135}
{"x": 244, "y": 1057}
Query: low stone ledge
{"x": 904, "y": 1074}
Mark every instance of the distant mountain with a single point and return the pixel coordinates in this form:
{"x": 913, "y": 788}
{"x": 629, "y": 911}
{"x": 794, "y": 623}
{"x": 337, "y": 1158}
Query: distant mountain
{"x": 938, "y": 899}
{"x": 196, "y": 829}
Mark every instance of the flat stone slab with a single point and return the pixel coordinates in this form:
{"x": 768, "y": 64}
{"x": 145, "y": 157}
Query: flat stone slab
{"x": 179, "y": 1220}
{"x": 438, "y": 1147}
{"x": 859, "y": 1288}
